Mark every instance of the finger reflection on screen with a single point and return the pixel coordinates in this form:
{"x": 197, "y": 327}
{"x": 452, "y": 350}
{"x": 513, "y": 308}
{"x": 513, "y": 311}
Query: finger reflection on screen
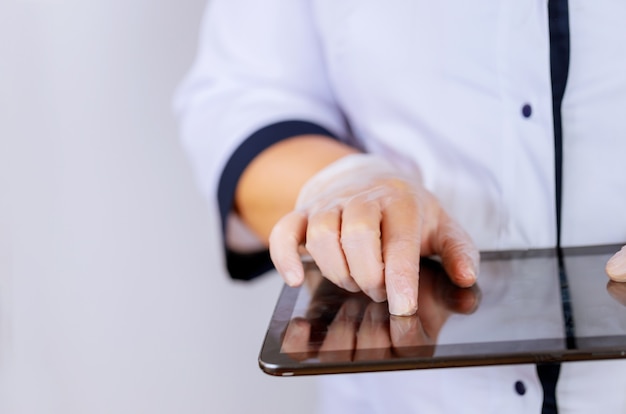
{"x": 340, "y": 326}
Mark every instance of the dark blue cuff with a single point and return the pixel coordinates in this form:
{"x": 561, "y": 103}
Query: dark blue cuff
{"x": 248, "y": 266}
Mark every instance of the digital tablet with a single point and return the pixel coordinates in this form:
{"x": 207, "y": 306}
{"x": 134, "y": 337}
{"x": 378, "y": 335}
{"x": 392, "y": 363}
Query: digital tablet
{"x": 530, "y": 306}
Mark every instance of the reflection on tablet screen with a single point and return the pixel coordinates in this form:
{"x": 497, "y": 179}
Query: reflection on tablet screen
{"x": 528, "y": 306}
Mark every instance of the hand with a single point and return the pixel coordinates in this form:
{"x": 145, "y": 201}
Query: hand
{"x": 343, "y": 326}
{"x": 616, "y": 266}
{"x": 366, "y": 223}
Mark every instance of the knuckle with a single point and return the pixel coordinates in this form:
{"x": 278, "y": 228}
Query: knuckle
{"x": 402, "y": 244}
{"x": 321, "y": 243}
{"x": 323, "y": 225}
{"x": 399, "y": 184}
{"x": 322, "y": 231}
{"x": 359, "y": 232}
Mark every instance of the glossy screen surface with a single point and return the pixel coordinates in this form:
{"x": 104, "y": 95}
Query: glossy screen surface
{"x": 528, "y": 306}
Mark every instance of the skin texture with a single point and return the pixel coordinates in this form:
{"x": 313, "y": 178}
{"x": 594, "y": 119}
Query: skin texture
{"x": 366, "y": 235}
{"x": 366, "y": 223}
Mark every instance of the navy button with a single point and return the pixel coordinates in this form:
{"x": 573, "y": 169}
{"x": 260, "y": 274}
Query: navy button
{"x": 527, "y": 110}
{"x": 520, "y": 388}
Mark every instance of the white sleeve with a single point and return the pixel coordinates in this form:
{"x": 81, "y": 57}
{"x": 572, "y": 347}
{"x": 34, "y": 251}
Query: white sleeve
{"x": 259, "y": 77}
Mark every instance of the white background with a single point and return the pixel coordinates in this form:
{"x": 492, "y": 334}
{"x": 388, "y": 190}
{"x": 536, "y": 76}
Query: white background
{"x": 112, "y": 296}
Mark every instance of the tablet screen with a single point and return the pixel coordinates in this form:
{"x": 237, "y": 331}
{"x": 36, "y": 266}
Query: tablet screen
{"x": 528, "y": 306}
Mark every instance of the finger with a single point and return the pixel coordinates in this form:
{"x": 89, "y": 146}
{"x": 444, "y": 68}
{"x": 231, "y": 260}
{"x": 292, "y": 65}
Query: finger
{"x": 360, "y": 241}
{"x": 373, "y": 341}
{"x": 296, "y": 339}
{"x": 406, "y": 331}
{"x": 435, "y": 293}
{"x": 401, "y": 233}
{"x": 459, "y": 255}
{"x": 286, "y": 236}
{"x": 408, "y": 337}
{"x": 322, "y": 243}
{"x": 339, "y": 343}
{"x": 616, "y": 266}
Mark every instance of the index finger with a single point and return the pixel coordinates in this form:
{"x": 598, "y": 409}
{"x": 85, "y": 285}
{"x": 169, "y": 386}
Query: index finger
{"x": 401, "y": 236}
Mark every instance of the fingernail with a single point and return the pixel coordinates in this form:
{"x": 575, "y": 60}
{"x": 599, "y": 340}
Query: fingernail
{"x": 350, "y": 285}
{"x": 402, "y": 309}
{"x": 467, "y": 276}
{"x": 377, "y": 295}
{"x": 402, "y": 305}
{"x": 402, "y": 296}
{"x": 291, "y": 278}
{"x": 616, "y": 266}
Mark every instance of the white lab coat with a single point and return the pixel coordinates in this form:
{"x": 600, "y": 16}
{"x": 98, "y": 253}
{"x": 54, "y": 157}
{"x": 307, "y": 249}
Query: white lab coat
{"x": 439, "y": 84}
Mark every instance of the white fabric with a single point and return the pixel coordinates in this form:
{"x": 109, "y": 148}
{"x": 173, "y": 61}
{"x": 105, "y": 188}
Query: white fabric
{"x": 442, "y": 84}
